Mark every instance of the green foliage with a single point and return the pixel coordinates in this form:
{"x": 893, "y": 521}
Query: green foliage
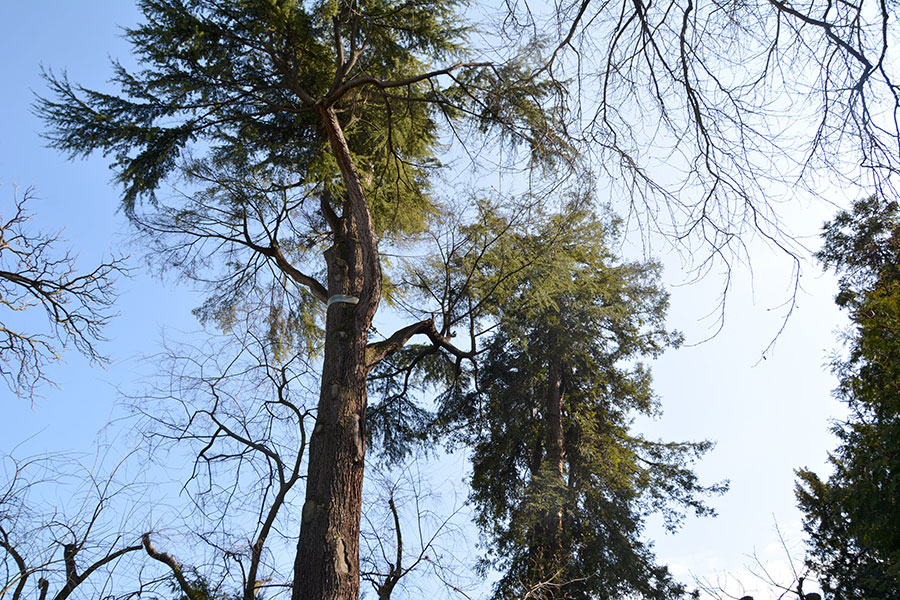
{"x": 236, "y": 79}
{"x": 203, "y": 589}
{"x": 852, "y": 518}
{"x": 229, "y": 108}
{"x": 575, "y": 306}
{"x": 224, "y": 106}
{"x": 863, "y": 246}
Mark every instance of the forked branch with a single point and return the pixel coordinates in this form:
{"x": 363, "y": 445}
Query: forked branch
{"x": 378, "y": 351}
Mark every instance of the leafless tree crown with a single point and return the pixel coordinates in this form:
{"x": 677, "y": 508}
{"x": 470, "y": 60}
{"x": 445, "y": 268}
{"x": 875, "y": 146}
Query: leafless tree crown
{"x": 36, "y": 272}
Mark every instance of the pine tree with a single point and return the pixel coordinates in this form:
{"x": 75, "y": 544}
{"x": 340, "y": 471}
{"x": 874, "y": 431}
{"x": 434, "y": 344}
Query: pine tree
{"x": 297, "y": 129}
{"x": 853, "y": 518}
{"x": 560, "y": 482}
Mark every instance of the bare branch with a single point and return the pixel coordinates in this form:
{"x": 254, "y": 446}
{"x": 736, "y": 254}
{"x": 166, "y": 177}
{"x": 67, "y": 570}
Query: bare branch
{"x": 73, "y": 579}
{"x": 35, "y": 271}
{"x": 345, "y": 87}
{"x": 51, "y": 542}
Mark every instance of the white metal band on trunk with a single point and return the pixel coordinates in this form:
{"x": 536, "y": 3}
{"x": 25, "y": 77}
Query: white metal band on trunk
{"x": 342, "y": 298}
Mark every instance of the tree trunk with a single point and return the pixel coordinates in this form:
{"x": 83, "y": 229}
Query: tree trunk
{"x": 548, "y": 468}
{"x": 327, "y": 562}
{"x": 555, "y": 453}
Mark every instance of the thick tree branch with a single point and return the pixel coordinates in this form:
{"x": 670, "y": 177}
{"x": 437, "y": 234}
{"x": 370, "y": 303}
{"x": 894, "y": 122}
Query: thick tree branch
{"x": 274, "y": 252}
{"x": 20, "y": 563}
{"x": 43, "y": 587}
{"x": 378, "y": 351}
{"x": 340, "y": 66}
{"x": 256, "y": 549}
{"x": 395, "y": 571}
{"x": 363, "y": 228}
{"x": 169, "y": 561}
{"x": 69, "y": 552}
{"x": 328, "y": 213}
{"x": 828, "y": 28}
{"x": 73, "y": 579}
{"x": 370, "y": 80}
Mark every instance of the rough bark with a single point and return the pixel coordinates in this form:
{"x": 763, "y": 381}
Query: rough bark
{"x": 327, "y": 562}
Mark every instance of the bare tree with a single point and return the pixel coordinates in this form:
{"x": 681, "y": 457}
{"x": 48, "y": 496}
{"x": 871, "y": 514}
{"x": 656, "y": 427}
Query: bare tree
{"x": 36, "y": 272}
{"x": 730, "y": 586}
{"x": 708, "y": 118}
{"x": 237, "y": 411}
{"x": 51, "y": 551}
{"x": 66, "y": 530}
{"x": 413, "y": 543}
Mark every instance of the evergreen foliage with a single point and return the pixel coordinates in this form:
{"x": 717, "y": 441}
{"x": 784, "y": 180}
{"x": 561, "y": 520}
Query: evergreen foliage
{"x": 237, "y": 78}
{"x": 224, "y": 107}
{"x": 561, "y": 495}
{"x": 202, "y": 589}
{"x": 853, "y": 518}
{"x": 293, "y": 128}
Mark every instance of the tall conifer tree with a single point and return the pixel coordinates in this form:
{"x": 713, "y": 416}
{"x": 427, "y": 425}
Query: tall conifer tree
{"x": 853, "y": 517}
{"x": 560, "y": 481}
{"x": 296, "y": 130}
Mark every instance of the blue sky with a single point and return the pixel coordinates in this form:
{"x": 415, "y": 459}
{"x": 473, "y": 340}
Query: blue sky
{"x": 77, "y": 199}
{"x": 768, "y": 417}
